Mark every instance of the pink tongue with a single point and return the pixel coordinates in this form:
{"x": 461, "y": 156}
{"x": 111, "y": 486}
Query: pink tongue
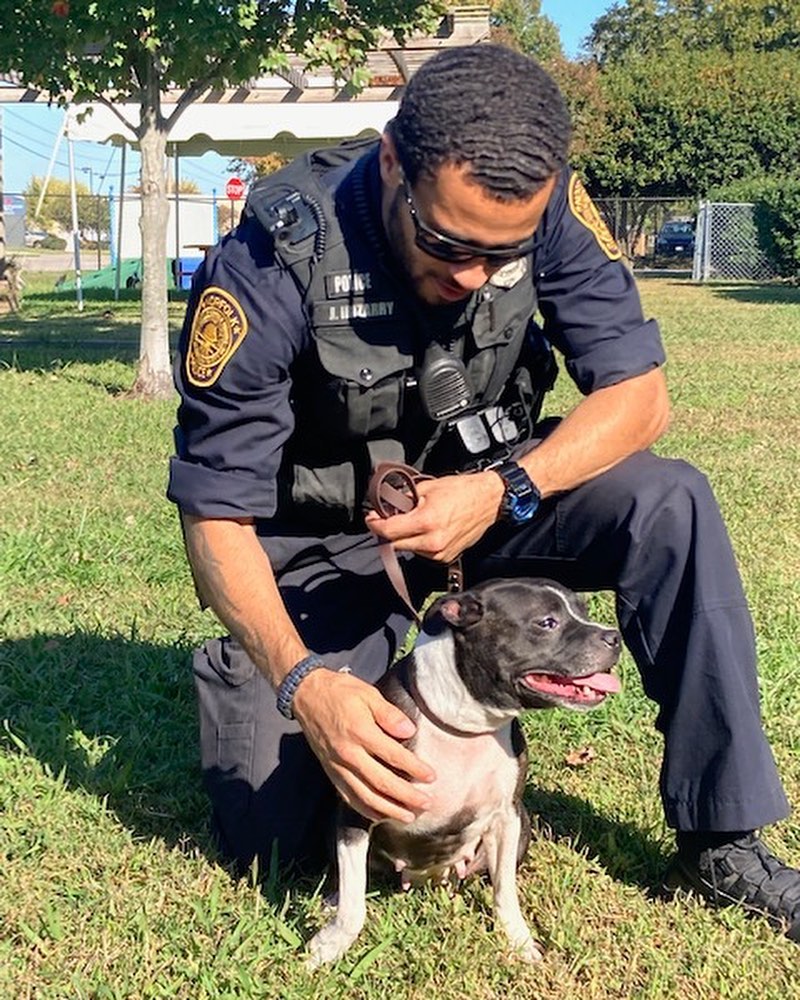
{"x": 603, "y": 682}
{"x": 599, "y": 682}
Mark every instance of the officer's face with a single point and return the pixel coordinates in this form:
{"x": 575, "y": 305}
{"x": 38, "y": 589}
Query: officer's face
{"x": 464, "y": 214}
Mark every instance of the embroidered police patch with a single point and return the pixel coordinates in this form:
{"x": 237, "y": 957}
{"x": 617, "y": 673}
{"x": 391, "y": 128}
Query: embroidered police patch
{"x": 219, "y": 326}
{"x": 586, "y": 212}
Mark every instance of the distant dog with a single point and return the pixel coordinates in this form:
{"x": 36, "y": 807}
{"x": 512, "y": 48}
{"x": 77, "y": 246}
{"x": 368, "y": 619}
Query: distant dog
{"x": 11, "y": 284}
{"x": 481, "y": 659}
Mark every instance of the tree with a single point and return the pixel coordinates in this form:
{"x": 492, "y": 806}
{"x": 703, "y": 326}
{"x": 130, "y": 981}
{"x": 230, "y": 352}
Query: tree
{"x": 692, "y": 94}
{"x": 56, "y": 210}
{"x": 185, "y": 186}
{"x": 133, "y": 50}
{"x": 629, "y": 28}
{"x": 683, "y": 122}
{"x": 250, "y": 168}
{"x": 646, "y": 27}
{"x": 522, "y": 25}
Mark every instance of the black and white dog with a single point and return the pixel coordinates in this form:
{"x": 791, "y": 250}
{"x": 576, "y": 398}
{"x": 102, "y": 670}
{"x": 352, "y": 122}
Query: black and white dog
{"x": 481, "y": 659}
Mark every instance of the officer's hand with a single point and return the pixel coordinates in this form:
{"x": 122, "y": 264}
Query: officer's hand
{"x": 452, "y": 514}
{"x": 354, "y": 732}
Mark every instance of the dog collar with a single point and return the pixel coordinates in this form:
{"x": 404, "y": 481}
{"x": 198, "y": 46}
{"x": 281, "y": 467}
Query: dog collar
{"x": 410, "y": 684}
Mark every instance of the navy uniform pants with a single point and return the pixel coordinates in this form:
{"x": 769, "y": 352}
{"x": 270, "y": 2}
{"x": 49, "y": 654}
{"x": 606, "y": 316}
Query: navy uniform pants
{"x": 649, "y": 530}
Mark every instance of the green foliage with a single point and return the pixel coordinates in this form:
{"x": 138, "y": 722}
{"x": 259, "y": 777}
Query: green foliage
{"x": 777, "y": 201}
{"x": 581, "y": 84}
{"x": 51, "y": 242}
{"x": 125, "y": 49}
{"x": 681, "y": 122}
{"x": 690, "y": 95}
{"x": 521, "y": 24}
{"x": 625, "y": 29}
{"x": 250, "y": 168}
{"x": 56, "y": 211}
{"x": 639, "y": 27}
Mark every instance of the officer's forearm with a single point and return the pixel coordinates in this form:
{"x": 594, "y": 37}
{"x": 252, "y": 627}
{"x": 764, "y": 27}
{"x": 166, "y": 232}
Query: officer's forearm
{"x": 234, "y": 576}
{"x": 603, "y": 429}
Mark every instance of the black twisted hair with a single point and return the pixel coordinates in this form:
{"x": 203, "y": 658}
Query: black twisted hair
{"x": 490, "y": 108}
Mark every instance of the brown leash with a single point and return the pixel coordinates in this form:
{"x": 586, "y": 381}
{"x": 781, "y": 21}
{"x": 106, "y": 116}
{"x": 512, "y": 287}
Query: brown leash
{"x": 393, "y": 490}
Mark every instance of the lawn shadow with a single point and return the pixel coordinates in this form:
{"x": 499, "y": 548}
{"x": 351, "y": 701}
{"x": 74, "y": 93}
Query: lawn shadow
{"x": 624, "y": 850}
{"x": 118, "y": 717}
{"x": 50, "y": 332}
{"x": 46, "y": 343}
{"x": 766, "y": 294}
{"x": 62, "y": 343}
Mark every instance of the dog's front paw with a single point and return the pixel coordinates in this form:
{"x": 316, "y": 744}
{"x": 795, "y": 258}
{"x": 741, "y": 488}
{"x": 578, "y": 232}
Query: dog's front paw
{"x": 329, "y": 944}
{"x": 527, "y": 950}
{"x": 524, "y": 947}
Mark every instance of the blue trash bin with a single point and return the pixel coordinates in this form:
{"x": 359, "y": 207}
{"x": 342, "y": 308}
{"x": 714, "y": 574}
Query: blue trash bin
{"x": 182, "y": 270}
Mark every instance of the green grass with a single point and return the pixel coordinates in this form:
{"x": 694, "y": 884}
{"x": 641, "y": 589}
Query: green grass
{"x": 110, "y": 886}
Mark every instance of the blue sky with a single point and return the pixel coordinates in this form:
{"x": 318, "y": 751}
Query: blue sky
{"x": 29, "y": 131}
{"x": 574, "y": 19}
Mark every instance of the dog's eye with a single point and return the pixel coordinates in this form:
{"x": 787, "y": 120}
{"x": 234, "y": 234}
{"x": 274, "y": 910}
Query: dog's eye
{"x": 548, "y": 623}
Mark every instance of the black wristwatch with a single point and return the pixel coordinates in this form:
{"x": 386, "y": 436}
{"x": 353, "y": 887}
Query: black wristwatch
{"x": 521, "y": 498}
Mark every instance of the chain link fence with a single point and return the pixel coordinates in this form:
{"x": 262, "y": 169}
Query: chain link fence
{"x": 96, "y": 219}
{"x": 704, "y": 241}
{"x": 655, "y": 234}
{"x": 658, "y": 236}
{"x": 728, "y": 244}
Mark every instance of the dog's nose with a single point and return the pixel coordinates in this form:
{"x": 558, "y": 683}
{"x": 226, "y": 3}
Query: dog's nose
{"x": 611, "y": 638}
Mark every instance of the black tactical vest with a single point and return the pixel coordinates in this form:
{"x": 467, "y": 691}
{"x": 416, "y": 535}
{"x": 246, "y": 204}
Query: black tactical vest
{"x": 354, "y": 399}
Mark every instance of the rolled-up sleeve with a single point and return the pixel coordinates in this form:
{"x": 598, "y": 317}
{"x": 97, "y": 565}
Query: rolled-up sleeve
{"x": 234, "y": 420}
{"x": 588, "y": 298}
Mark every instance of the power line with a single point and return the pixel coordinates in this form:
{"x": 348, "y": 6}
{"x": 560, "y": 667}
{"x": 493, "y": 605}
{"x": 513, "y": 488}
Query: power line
{"x": 87, "y": 155}
{"x": 41, "y": 156}
{"x": 189, "y": 169}
{"x": 34, "y": 140}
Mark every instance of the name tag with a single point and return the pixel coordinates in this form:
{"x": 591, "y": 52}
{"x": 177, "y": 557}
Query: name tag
{"x": 342, "y": 284}
{"x": 343, "y": 312}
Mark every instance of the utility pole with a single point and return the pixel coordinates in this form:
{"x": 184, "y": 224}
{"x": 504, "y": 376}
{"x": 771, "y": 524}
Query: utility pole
{"x": 2, "y": 205}
{"x": 95, "y": 203}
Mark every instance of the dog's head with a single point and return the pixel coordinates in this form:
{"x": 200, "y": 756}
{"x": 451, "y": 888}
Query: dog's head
{"x": 527, "y": 643}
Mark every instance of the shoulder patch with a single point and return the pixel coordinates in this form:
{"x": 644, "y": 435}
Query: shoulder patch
{"x": 218, "y": 328}
{"x": 587, "y": 213}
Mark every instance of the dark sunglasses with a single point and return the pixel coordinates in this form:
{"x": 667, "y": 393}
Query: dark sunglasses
{"x": 445, "y": 247}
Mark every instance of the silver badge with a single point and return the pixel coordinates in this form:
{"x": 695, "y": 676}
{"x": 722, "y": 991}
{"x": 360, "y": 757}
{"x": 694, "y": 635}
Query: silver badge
{"x": 510, "y": 273}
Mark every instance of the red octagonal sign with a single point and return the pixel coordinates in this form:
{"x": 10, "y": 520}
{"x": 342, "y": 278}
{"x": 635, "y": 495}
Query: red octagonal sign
{"x": 234, "y": 189}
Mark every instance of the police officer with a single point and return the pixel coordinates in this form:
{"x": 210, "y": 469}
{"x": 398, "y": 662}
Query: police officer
{"x": 377, "y": 303}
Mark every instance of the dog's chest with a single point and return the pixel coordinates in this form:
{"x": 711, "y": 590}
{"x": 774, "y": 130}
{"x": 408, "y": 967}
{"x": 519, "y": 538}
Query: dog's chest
{"x": 475, "y": 774}
{"x": 475, "y": 788}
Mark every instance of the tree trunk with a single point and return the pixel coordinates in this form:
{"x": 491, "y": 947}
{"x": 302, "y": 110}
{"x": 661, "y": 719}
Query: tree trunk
{"x": 154, "y": 373}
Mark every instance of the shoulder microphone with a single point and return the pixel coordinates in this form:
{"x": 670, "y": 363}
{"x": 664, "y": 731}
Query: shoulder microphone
{"x": 443, "y": 384}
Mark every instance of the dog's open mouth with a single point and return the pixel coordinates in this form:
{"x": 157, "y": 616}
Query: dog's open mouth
{"x": 586, "y": 690}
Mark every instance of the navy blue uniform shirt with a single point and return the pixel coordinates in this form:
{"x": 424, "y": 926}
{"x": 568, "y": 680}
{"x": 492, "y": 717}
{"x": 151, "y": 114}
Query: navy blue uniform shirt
{"x": 231, "y": 433}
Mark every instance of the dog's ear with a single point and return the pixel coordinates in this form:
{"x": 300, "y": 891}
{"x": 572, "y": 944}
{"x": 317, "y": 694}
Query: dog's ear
{"x": 455, "y": 610}
{"x": 583, "y": 604}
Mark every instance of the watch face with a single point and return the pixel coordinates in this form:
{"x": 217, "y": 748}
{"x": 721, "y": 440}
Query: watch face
{"x": 521, "y": 498}
{"x": 523, "y": 508}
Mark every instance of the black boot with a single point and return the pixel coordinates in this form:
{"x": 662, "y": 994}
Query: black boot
{"x": 741, "y": 871}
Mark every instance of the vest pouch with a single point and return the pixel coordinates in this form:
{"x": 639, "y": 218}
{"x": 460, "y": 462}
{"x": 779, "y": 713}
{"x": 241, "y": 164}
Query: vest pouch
{"x": 325, "y": 495}
{"x": 363, "y": 394}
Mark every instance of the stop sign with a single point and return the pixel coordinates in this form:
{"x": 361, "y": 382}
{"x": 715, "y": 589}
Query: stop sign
{"x": 234, "y": 189}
